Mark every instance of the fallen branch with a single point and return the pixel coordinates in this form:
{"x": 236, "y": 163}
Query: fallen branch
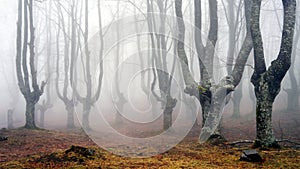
{"x": 240, "y": 142}
{"x": 251, "y": 141}
{"x": 288, "y": 141}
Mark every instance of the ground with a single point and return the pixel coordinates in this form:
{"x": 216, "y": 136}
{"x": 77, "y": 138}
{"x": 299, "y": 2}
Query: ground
{"x": 73, "y": 149}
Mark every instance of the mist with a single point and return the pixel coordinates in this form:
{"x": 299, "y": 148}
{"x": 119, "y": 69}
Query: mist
{"x": 115, "y": 68}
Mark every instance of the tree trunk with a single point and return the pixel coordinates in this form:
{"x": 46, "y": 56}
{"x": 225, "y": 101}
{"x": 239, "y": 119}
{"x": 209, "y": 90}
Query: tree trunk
{"x": 120, "y": 106}
{"x": 42, "y": 117}
{"x": 236, "y": 99}
{"x": 265, "y": 135}
{"x": 253, "y": 99}
{"x": 292, "y": 100}
{"x": 293, "y": 94}
{"x": 30, "y": 109}
{"x": 10, "y": 120}
{"x": 211, "y": 129}
{"x": 205, "y": 103}
{"x": 85, "y": 117}
{"x": 70, "y": 116}
{"x": 168, "y": 111}
{"x": 167, "y": 118}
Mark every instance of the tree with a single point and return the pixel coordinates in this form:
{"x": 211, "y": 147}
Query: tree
{"x": 233, "y": 17}
{"x": 46, "y": 104}
{"x": 121, "y": 100}
{"x": 31, "y": 93}
{"x": 293, "y": 93}
{"x": 69, "y": 53}
{"x": 90, "y": 98}
{"x": 159, "y": 53}
{"x": 210, "y": 95}
{"x": 267, "y": 82}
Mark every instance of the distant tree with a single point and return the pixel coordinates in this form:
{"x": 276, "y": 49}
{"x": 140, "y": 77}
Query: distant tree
{"x": 31, "y": 93}
{"x": 159, "y": 53}
{"x": 293, "y": 93}
{"x": 46, "y": 103}
{"x": 233, "y": 17}
{"x": 267, "y": 82}
{"x": 121, "y": 100}
{"x": 90, "y": 97}
{"x": 12, "y": 88}
{"x": 67, "y": 31}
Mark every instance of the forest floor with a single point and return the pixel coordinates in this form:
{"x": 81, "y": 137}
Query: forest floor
{"x": 51, "y": 149}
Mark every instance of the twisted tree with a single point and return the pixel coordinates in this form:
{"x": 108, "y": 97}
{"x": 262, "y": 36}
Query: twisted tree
{"x": 210, "y": 95}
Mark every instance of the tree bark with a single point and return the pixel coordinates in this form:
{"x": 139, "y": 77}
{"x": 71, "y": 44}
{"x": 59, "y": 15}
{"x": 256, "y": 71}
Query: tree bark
{"x": 168, "y": 110}
{"x": 85, "y": 116}
{"x": 70, "y": 115}
{"x": 10, "y": 120}
{"x": 265, "y": 134}
{"x": 236, "y": 100}
{"x": 293, "y": 93}
{"x": 42, "y": 118}
{"x": 30, "y": 113}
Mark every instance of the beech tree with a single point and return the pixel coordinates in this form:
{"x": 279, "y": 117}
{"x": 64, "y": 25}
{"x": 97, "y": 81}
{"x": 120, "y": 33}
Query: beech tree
{"x": 159, "y": 53}
{"x": 267, "y": 82}
{"x": 233, "y": 17}
{"x": 68, "y": 29}
{"x": 27, "y": 79}
{"x": 121, "y": 99}
{"x": 46, "y": 103}
{"x": 90, "y": 97}
{"x": 210, "y": 95}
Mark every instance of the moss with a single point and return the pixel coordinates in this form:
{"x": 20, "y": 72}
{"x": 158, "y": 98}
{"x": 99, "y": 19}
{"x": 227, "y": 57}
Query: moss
{"x": 12, "y": 164}
{"x": 201, "y": 89}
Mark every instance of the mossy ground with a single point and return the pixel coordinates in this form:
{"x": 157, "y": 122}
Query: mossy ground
{"x": 48, "y": 149}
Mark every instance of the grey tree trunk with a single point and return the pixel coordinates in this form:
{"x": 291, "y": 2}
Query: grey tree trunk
{"x": 236, "y": 100}
{"x": 120, "y": 105}
{"x": 265, "y": 134}
{"x": 167, "y": 113}
{"x": 30, "y": 115}
{"x": 42, "y": 118}
{"x": 85, "y": 116}
{"x": 64, "y": 94}
{"x": 70, "y": 115}
{"x": 10, "y": 120}
{"x": 293, "y": 93}
{"x": 267, "y": 82}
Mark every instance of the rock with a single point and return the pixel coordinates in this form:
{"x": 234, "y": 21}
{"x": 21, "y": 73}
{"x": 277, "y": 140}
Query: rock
{"x": 3, "y": 138}
{"x": 250, "y": 156}
{"x": 86, "y": 152}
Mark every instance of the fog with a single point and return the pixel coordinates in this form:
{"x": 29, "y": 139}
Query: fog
{"x": 122, "y": 58}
